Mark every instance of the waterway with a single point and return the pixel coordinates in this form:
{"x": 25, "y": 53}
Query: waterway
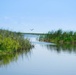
{"x": 44, "y": 59}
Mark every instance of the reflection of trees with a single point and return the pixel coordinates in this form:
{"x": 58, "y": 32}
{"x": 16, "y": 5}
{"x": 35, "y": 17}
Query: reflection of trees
{"x": 5, "y": 59}
{"x": 64, "y": 48}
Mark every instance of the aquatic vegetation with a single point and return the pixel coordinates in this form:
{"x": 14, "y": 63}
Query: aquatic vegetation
{"x": 12, "y": 41}
{"x": 59, "y": 37}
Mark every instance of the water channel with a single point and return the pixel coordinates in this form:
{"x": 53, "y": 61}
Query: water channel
{"x": 43, "y": 59}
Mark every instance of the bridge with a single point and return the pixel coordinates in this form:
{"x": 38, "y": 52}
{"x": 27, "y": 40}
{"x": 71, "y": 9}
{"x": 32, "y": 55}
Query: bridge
{"x": 35, "y": 33}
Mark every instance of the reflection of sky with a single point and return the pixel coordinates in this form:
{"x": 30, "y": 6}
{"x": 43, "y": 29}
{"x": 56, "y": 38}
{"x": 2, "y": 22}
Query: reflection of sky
{"x": 40, "y": 15}
{"x": 42, "y": 62}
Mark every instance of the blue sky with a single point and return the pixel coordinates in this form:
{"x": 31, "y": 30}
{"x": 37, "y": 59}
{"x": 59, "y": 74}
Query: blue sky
{"x": 40, "y": 15}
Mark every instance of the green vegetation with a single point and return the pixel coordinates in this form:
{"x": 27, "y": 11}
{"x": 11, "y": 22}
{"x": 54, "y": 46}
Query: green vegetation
{"x": 59, "y": 37}
{"x": 11, "y": 42}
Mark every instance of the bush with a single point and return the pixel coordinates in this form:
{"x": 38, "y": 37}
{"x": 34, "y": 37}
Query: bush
{"x": 12, "y": 41}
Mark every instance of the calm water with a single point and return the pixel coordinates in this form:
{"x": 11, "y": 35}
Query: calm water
{"x": 43, "y": 59}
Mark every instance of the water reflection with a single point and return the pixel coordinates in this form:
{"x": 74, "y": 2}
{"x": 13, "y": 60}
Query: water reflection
{"x": 8, "y": 58}
{"x": 65, "y": 48}
{"x": 44, "y": 60}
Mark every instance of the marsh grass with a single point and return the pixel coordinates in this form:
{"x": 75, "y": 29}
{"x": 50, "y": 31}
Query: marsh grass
{"x": 59, "y": 37}
{"x": 12, "y": 42}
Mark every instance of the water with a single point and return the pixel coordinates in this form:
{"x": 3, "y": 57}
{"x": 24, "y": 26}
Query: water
{"x": 43, "y": 59}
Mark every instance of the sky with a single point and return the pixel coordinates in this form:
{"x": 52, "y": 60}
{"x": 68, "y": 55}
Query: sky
{"x": 40, "y": 15}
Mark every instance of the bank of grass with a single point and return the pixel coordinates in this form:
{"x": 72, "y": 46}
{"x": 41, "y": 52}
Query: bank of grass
{"x": 59, "y": 37}
{"x": 12, "y": 42}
